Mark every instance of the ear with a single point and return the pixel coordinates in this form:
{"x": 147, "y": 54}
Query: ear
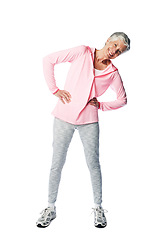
{"x": 108, "y": 40}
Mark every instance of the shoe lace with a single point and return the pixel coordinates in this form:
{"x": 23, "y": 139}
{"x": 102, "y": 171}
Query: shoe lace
{"x": 100, "y": 211}
{"x": 45, "y": 212}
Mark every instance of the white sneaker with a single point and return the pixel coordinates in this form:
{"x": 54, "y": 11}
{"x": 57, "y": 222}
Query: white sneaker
{"x": 99, "y": 217}
{"x": 48, "y": 214}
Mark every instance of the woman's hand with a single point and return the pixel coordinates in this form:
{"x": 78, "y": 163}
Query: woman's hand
{"x": 63, "y": 95}
{"x": 94, "y": 102}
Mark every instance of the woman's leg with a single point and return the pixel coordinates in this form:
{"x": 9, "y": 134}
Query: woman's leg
{"x": 89, "y": 134}
{"x": 62, "y": 135}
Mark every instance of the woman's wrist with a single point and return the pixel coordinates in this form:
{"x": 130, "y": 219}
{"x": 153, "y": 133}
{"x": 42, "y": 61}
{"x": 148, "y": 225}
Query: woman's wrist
{"x": 98, "y": 105}
{"x": 56, "y": 91}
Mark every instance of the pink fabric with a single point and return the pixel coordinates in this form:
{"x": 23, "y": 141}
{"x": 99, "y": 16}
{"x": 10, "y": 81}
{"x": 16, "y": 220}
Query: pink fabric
{"x": 83, "y": 85}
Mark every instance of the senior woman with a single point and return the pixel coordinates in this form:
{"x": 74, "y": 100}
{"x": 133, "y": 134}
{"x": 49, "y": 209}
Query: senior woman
{"x": 91, "y": 73}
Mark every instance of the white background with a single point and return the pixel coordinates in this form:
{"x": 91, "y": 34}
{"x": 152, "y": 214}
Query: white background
{"x": 129, "y": 137}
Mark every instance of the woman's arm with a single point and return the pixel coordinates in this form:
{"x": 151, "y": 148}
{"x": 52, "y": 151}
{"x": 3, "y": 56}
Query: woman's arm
{"x": 118, "y": 88}
{"x": 50, "y": 60}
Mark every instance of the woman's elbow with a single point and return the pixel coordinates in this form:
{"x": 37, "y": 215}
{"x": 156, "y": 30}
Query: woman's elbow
{"x": 123, "y": 101}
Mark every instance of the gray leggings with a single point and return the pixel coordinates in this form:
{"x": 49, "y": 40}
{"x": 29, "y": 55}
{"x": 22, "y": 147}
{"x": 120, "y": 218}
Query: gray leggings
{"x": 62, "y": 135}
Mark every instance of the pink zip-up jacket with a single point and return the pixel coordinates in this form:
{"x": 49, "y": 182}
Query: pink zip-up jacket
{"x": 83, "y": 85}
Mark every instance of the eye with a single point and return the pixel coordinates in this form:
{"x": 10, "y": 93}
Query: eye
{"x": 118, "y": 52}
{"x": 115, "y": 45}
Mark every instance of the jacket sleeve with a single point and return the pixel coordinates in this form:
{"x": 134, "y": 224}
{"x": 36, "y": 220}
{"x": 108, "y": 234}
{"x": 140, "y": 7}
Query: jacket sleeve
{"x": 117, "y": 86}
{"x": 50, "y": 60}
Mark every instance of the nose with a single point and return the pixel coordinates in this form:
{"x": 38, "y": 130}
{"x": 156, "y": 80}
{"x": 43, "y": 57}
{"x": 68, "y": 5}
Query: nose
{"x": 113, "y": 50}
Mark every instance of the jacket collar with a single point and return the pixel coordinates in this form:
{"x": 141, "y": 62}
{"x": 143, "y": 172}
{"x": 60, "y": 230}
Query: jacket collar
{"x": 109, "y": 69}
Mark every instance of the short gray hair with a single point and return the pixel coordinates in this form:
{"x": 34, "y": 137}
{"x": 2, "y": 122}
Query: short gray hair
{"x": 122, "y": 36}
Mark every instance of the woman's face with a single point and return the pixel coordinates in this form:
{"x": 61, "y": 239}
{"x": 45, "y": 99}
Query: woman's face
{"x": 113, "y": 49}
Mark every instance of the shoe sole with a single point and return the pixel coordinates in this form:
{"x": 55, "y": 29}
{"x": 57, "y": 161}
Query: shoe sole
{"x": 100, "y": 226}
{"x": 41, "y": 226}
